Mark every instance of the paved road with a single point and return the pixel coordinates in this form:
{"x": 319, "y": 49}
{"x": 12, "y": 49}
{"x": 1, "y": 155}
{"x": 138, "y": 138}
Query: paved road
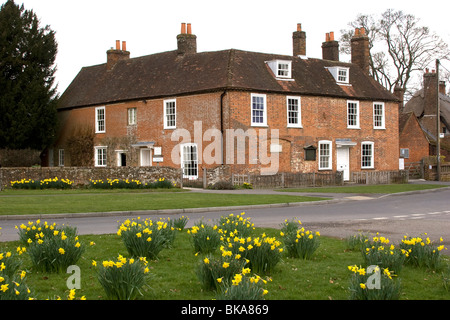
{"x": 347, "y": 214}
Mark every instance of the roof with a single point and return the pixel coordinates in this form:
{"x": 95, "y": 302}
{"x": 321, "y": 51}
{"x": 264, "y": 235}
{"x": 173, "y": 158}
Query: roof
{"x": 417, "y": 104}
{"x": 169, "y": 74}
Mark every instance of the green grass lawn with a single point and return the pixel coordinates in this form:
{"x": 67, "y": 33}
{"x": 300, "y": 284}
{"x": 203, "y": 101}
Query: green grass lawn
{"x": 391, "y": 188}
{"x": 173, "y": 277}
{"x": 19, "y": 202}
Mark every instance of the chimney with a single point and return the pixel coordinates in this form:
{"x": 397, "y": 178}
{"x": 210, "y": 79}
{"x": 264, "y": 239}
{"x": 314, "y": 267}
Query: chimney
{"x": 442, "y": 88}
{"x": 187, "y": 42}
{"x": 117, "y": 54}
{"x": 430, "y": 83}
{"x": 299, "y": 41}
{"x": 360, "y": 49}
{"x": 330, "y": 48}
{"x": 399, "y": 92}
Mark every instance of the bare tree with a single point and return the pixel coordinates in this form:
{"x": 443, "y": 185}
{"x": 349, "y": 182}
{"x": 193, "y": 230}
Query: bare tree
{"x": 399, "y": 47}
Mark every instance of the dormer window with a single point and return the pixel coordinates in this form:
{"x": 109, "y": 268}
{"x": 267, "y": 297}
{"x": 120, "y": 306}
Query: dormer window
{"x": 281, "y": 68}
{"x": 340, "y": 74}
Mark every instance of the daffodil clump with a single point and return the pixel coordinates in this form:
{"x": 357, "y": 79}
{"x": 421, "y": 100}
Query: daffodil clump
{"x": 51, "y": 183}
{"x": 381, "y": 252}
{"x": 222, "y": 267}
{"x": 146, "y": 238}
{"x": 122, "y": 279}
{"x": 52, "y": 248}
{"x": 373, "y": 284}
{"x": 243, "y": 286}
{"x": 263, "y": 253}
{"x": 205, "y": 238}
{"x": 422, "y": 252}
{"x": 130, "y": 184}
{"x": 12, "y": 280}
{"x": 236, "y": 224}
{"x": 299, "y": 242}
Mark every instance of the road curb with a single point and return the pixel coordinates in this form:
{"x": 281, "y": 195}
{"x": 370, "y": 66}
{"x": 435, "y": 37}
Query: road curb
{"x": 163, "y": 211}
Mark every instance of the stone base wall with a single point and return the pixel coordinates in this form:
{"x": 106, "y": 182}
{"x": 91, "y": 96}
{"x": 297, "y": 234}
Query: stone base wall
{"x": 82, "y": 176}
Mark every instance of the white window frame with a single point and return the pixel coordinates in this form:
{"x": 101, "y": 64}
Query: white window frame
{"x": 340, "y": 78}
{"x": 167, "y": 124}
{"x": 264, "y": 111}
{"x": 365, "y": 158}
{"x": 278, "y": 69}
{"x": 290, "y": 112}
{"x": 356, "y": 115}
{"x": 100, "y": 124}
{"x": 101, "y": 156}
{"x": 61, "y": 157}
{"x": 328, "y": 156}
{"x": 132, "y": 116}
{"x": 376, "y": 116}
{"x": 189, "y": 165}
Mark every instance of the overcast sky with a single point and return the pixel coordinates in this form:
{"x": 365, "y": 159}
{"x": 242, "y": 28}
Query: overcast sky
{"x": 85, "y": 30}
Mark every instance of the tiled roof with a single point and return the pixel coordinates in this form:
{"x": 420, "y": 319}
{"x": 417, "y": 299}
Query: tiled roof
{"x": 168, "y": 74}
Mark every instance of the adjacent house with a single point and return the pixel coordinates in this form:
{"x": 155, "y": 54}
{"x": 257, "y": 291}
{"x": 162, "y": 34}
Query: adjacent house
{"x": 248, "y": 110}
{"x": 418, "y": 124}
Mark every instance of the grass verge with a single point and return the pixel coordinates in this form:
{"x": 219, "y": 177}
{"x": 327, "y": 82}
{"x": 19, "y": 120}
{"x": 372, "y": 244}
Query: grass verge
{"x": 172, "y": 275}
{"x": 18, "y": 203}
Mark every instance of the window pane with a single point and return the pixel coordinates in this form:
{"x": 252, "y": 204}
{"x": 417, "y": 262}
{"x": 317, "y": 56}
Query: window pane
{"x": 258, "y": 109}
{"x": 367, "y": 155}
{"x": 352, "y": 114}
{"x": 293, "y": 111}
{"x": 190, "y": 161}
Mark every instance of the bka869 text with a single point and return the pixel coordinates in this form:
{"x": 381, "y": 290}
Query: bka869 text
{"x": 237, "y": 309}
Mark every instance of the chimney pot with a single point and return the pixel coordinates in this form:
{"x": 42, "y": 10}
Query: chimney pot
{"x": 124, "y": 45}
{"x": 360, "y": 50}
{"x": 117, "y": 44}
{"x": 186, "y": 41}
{"x": 299, "y": 41}
{"x": 330, "y": 48}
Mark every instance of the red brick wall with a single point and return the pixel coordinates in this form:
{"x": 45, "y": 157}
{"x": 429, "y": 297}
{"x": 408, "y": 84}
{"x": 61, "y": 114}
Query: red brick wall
{"x": 413, "y": 138}
{"x": 322, "y": 119}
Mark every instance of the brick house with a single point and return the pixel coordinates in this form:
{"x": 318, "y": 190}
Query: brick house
{"x": 418, "y": 129}
{"x": 189, "y": 109}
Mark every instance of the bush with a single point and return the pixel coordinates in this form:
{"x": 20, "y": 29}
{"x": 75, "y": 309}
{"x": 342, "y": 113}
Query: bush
{"x": 122, "y": 279}
{"x": 55, "y": 253}
{"x": 379, "y": 252}
{"x": 54, "y": 183}
{"x": 52, "y": 248}
{"x": 212, "y": 271}
{"x": 12, "y": 280}
{"x": 235, "y": 225}
{"x": 299, "y": 243}
{"x": 222, "y": 185}
{"x": 243, "y": 287}
{"x": 381, "y": 287}
{"x": 205, "y": 238}
{"x": 145, "y": 238}
{"x": 160, "y": 183}
{"x": 422, "y": 253}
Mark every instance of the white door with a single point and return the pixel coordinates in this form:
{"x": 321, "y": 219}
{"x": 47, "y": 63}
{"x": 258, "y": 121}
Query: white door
{"x": 146, "y": 158}
{"x": 343, "y": 162}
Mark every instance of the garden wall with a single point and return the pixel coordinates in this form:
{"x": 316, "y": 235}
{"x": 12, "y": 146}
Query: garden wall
{"x": 81, "y": 176}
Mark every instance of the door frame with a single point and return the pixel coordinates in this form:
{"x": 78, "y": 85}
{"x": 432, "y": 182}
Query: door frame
{"x": 343, "y": 159}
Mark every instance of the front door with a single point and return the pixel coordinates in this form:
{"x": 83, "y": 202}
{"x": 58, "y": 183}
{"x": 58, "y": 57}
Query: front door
{"x": 146, "y": 158}
{"x": 343, "y": 162}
